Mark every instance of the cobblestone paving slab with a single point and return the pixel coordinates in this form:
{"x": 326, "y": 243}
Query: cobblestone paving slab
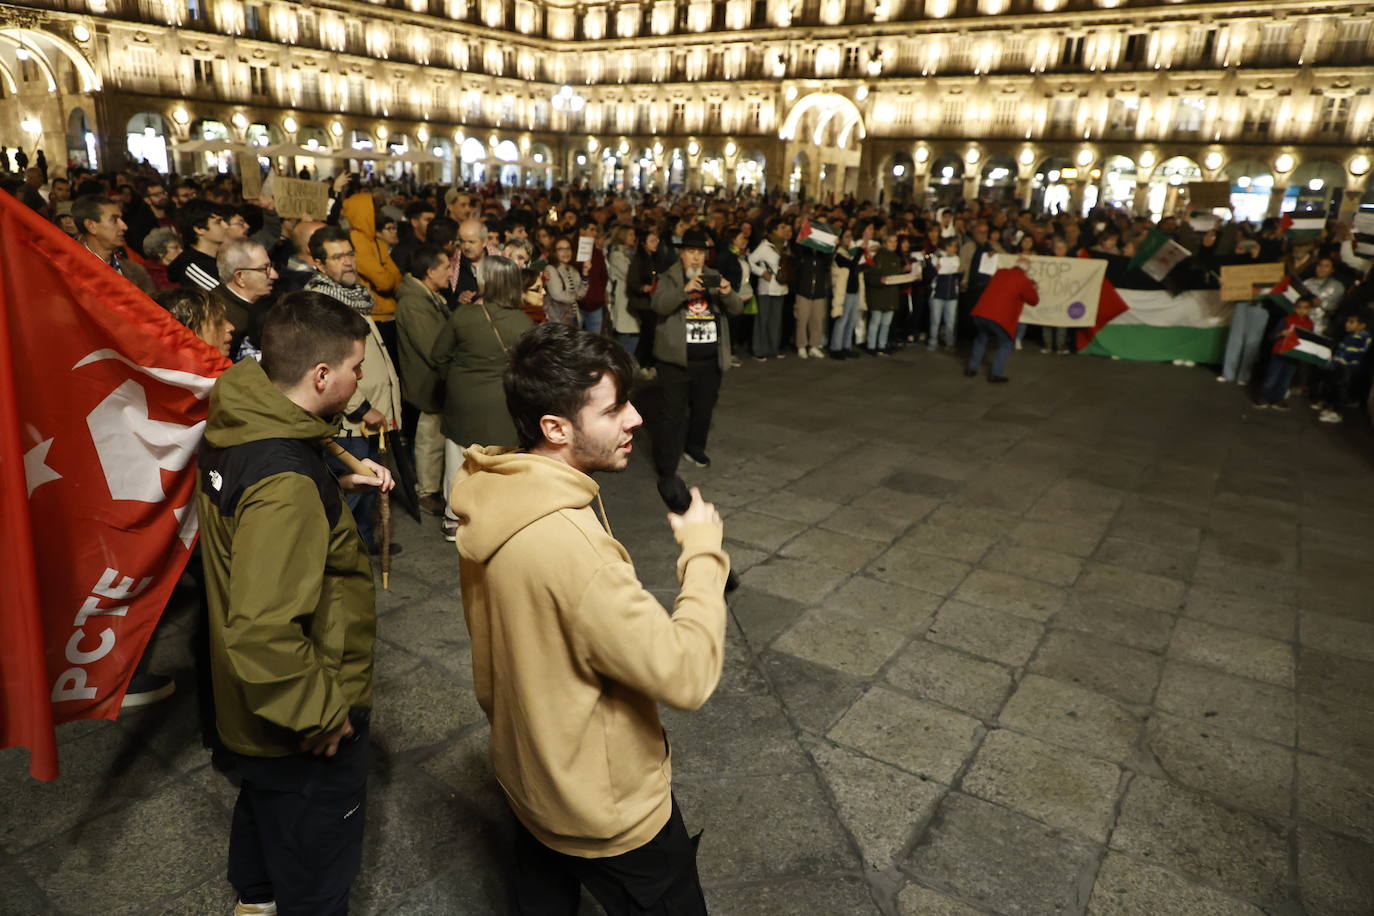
{"x": 1081, "y": 644}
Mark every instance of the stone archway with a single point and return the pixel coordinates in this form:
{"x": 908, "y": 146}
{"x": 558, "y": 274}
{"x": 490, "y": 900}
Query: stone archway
{"x": 829, "y": 129}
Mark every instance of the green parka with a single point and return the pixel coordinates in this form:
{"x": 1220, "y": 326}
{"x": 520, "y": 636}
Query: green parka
{"x": 470, "y": 356}
{"x": 291, "y": 603}
{"x": 420, "y": 316}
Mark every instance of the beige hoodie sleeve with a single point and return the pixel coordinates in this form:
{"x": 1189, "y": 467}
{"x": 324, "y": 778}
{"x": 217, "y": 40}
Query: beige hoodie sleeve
{"x": 629, "y": 638}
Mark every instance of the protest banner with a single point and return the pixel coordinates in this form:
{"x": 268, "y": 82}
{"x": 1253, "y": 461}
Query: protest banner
{"x": 299, "y": 199}
{"x": 1239, "y": 281}
{"x": 1069, "y": 289}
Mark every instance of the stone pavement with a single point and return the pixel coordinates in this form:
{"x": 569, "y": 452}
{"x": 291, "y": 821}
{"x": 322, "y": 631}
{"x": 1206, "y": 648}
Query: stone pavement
{"x": 1099, "y": 641}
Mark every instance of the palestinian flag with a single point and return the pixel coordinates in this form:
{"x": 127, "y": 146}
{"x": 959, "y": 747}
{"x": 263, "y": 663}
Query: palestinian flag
{"x": 1305, "y": 346}
{"x": 817, "y": 236}
{"x": 1158, "y": 254}
{"x": 1141, "y": 318}
{"x": 1303, "y": 226}
{"x": 1286, "y": 293}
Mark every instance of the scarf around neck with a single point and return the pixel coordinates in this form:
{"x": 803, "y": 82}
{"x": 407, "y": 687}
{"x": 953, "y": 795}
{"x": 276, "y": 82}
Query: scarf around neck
{"x": 358, "y": 298}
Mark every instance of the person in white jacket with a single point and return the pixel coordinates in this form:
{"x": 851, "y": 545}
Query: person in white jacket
{"x": 769, "y": 267}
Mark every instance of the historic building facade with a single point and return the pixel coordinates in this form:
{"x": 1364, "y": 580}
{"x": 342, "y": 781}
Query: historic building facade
{"x": 1056, "y": 103}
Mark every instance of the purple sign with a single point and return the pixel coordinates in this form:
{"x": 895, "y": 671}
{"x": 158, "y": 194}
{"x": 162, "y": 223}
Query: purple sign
{"x": 1077, "y": 310}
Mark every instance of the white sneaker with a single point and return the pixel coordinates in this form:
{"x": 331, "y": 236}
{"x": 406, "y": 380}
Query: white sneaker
{"x": 1329, "y": 416}
{"x": 817, "y": 353}
{"x": 801, "y": 353}
{"x": 1222, "y": 379}
{"x": 1018, "y": 345}
{"x": 255, "y": 909}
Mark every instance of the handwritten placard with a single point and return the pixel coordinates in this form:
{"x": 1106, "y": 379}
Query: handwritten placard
{"x": 1238, "y": 281}
{"x": 1204, "y": 195}
{"x": 1069, "y": 289}
{"x": 250, "y": 174}
{"x": 300, "y": 199}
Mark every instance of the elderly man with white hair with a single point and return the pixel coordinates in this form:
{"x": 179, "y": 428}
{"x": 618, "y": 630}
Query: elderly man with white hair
{"x": 465, "y": 284}
{"x": 246, "y": 279}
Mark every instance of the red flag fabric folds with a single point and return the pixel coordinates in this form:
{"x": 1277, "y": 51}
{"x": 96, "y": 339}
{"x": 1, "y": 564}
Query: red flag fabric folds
{"x": 102, "y": 407}
{"x": 1109, "y": 306}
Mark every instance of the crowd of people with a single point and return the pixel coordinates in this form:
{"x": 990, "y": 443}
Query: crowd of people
{"x": 495, "y": 328}
{"x": 836, "y": 281}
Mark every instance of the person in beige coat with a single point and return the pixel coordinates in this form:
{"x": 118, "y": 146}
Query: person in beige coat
{"x": 571, "y": 655}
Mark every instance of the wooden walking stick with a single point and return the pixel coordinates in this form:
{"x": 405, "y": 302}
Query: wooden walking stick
{"x": 357, "y": 467}
{"x": 384, "y": 521}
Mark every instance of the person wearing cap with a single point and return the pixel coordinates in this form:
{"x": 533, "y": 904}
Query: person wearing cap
{"x": 692, "y": 350}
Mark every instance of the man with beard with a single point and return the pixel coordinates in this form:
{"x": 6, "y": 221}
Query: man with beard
{"x": 291, "y": 610}
{"x": 571, "y": 654}
{"x": 691, "y": 351}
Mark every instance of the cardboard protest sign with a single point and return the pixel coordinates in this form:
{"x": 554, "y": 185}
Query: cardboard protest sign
{"x": 300, "y": 199}
{"x": 1238, "y": 281}
{"x": 1069, "y": 289}
{"x": 250, "y": 174}
{"x": 1205, "y": 195}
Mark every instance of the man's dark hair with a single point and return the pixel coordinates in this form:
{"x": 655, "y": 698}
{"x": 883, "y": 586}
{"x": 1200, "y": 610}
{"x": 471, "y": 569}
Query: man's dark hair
{"x": 90, "y": 207}
{"x": 304, "y": 329}
{"x": 325, "y": 234}
{"x": 442, "y": 231}
{"x": 419, "y": 208}
{"x": 552, "y": 369}
{"x": 424, "y": 259}
{"x": 195, "y": 215}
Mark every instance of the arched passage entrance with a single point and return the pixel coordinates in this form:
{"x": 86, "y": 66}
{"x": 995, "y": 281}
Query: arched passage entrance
{"x": 146, "y": 140}
{"x": 1315, "y": 187}
{"x": 1171, "y": 175}
{"x": 832, "y": 128}
{"x": 1252, "y": 185}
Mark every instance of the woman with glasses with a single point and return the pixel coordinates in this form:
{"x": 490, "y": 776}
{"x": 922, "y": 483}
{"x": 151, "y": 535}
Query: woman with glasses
{"x": 532, "y": 302}
{"x": 564, "y": 285}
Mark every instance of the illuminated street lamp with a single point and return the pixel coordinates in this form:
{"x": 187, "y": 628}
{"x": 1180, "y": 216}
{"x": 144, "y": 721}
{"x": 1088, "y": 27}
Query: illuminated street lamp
{"x": 565, "y": 99}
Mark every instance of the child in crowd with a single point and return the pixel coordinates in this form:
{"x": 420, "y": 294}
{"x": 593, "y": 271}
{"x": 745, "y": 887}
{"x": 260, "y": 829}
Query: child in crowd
{"x": 944, "y": 301}
{"x": 1339, "y": 387}
{"x": 1281, "y": 369}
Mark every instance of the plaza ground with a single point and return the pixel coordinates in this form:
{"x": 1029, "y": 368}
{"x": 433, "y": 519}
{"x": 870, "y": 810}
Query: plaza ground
{"x": 1098, "y": 641}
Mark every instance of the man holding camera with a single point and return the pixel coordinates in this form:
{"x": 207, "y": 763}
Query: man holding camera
{"x": 692, "y": 349}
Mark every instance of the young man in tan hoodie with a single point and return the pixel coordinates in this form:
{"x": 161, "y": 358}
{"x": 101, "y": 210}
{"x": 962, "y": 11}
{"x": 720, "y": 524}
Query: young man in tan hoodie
{"x": 570, "y": 653}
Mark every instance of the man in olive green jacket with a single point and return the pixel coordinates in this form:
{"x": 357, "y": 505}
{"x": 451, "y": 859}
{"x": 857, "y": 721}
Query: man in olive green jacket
{"x": 291, "y": 610}
{"x": 421, "y": 314}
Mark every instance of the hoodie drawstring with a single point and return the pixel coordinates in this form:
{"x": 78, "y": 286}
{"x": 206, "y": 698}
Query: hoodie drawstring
{"x": 605, "y": 521}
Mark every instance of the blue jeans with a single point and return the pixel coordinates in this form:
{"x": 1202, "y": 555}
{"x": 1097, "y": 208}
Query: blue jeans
{"x": 985, "y": 328}
{"x": 943, "y": 313}
{"x": 879, "y": 324}
{"x": 592, "y": 321}
{"x": 362, "y": 503}
{"x": 629, "y": 341}
{"x": 1021, "y": 331}
{"x": 1243, "y": 343}
{"x": 842, "y": 331}
{"x": 1277, "y": 379}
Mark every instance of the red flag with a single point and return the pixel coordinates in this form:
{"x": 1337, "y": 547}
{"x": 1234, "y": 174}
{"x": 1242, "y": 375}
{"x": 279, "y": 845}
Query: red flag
{"x": 1109, "y": 306}
{"x": 102, "y": 407}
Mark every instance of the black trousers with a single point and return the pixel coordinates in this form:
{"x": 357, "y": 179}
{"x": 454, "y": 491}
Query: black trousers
{"x": 686, "y": 400}
{"x": 297, "y": 832}
{"x": 657, "y": 879}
